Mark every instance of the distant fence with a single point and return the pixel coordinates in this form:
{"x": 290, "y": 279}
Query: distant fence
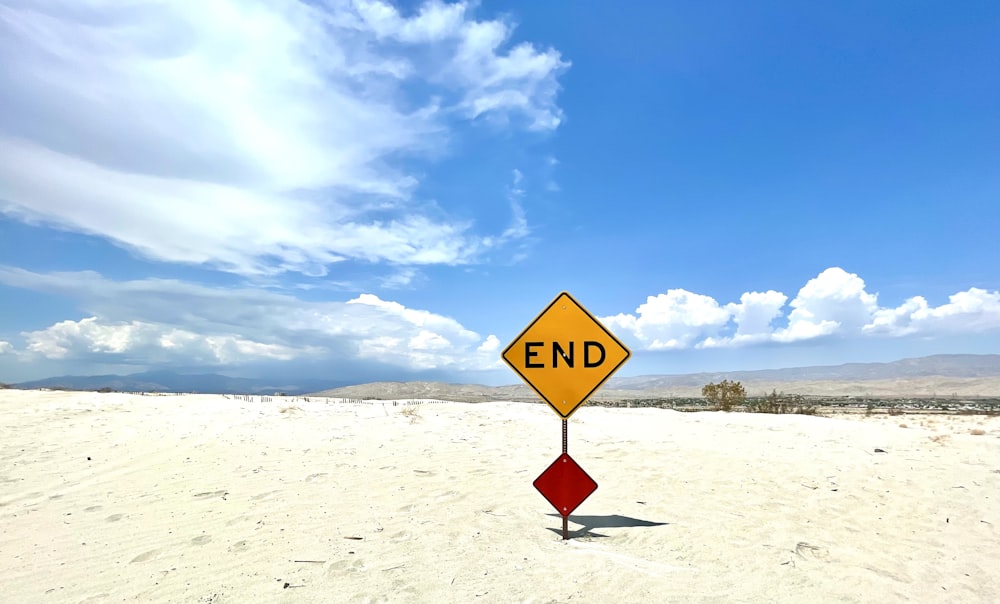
{"x": 257, "y": 398}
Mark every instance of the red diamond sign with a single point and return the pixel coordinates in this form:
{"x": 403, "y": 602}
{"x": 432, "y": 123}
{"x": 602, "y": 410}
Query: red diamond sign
{"x": 565, "y": 485}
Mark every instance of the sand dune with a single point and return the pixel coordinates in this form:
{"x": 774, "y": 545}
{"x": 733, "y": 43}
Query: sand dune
{"x": 113, "y": 497}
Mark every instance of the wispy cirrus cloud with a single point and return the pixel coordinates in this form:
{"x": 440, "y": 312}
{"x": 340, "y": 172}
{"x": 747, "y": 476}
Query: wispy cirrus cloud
{"x": 167, "y": 322}
{"x": 282, "y": 142}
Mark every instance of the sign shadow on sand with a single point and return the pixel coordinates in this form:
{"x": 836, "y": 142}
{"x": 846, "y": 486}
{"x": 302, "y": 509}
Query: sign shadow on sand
{"x": 589, "y": 523}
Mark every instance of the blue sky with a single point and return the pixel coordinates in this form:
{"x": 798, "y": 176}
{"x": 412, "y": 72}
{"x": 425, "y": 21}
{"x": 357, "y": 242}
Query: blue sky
{"x": 361, "y": 190}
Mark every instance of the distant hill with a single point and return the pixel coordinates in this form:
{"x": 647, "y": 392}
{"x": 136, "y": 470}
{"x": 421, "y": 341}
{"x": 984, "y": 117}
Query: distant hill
{"x": 942, "y": 365}
{"x": 168, "y": 381}
{"x": 939, "y": 375}
{"x": 470, "y": 393}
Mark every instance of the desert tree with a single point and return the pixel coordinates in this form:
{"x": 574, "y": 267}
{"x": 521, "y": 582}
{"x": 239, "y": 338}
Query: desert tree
{"x": 725, "y": 395}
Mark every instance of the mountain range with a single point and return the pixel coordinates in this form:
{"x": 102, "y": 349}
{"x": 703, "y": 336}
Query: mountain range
{"x": 973, "y": 376}
{"x": 966, "y": 374}
{"x": 168, "y": 381}
{"x": 942, "y": 365}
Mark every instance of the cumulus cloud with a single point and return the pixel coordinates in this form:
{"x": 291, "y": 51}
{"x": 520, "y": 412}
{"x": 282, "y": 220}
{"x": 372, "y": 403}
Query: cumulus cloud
{"x": 754, "y": 316}
{"x": 756, "y": 311}
{"x": 835, "y": 303}
{"x": 161, "y": 321}
{"x": 170, "y": 322}
{"x": 676, "y": 319}
{"x": 143, "y": 343}
{"x": 276, "y": 143}
{"x": 418, "y": 339}
{"x": 490, "y": 345}
{"x": 971, "y": 311}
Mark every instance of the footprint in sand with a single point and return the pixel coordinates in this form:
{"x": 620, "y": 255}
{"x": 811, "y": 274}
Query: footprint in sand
{"x": 210, "y": 494}
{"x": 201, "y": 540}
{"x": 400, "y": 588}
{"x": 343, "y": 567}
{"x": 153, "y": 553}
{"x": 239, "y": 546}
{"x": 319, "y": 477}
{"x": 806, "y": 550}
{"x": 237, "y": 520}
{"x": 904, "y": 578}
{"x": 400, "y": 536}
{"x": 266, "y": 495}
{"x": 93, "y": 508}
{"x": 449, "y": 496}
{"x": 114, "y": 517}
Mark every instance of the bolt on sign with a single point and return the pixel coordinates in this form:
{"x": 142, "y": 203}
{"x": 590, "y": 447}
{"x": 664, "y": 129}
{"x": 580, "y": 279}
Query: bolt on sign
{"x": 565, "y": 354}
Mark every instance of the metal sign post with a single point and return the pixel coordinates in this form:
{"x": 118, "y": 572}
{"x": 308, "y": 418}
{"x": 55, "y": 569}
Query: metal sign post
{"x": 565, "y": 424}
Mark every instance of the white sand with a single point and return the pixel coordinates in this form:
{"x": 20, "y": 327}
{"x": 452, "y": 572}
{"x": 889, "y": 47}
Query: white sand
{"x": 208, "y": 499}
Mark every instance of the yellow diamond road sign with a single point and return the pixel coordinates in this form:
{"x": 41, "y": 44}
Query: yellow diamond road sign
{"x": 565, "y": 354}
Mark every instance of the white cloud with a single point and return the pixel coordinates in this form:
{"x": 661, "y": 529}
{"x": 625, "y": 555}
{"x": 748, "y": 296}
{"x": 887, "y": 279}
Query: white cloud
{"x": 275, "y": 143}
{"x": 6, "y": 347}
{"x": 676, "y": 319}
{"x": 548, "y": 170}
{"x": 401, "y": 278}
{"x": 519, "y": 226}
{"x": 148, "y": 343}
{"x": 231, "y": 228}
{"x": 433, "y": 22}
{"x": 519, "y": 229}
{"x": 166, "y": 321}
{"x": 897, "y": 321}
{"x": 490, "y": 345}
{"x": 754, "y": 316}
{"x": 834, "y": 303}
{"x": 972, "y": 311}
{"x": 417, "y": 339}
{"x": 756, "y": 311}
{"x": 493, "y": 81}
{"x": 170, "y": 322}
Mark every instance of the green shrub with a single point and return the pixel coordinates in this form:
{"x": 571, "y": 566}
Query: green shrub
{"x": 780, "y": 404}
